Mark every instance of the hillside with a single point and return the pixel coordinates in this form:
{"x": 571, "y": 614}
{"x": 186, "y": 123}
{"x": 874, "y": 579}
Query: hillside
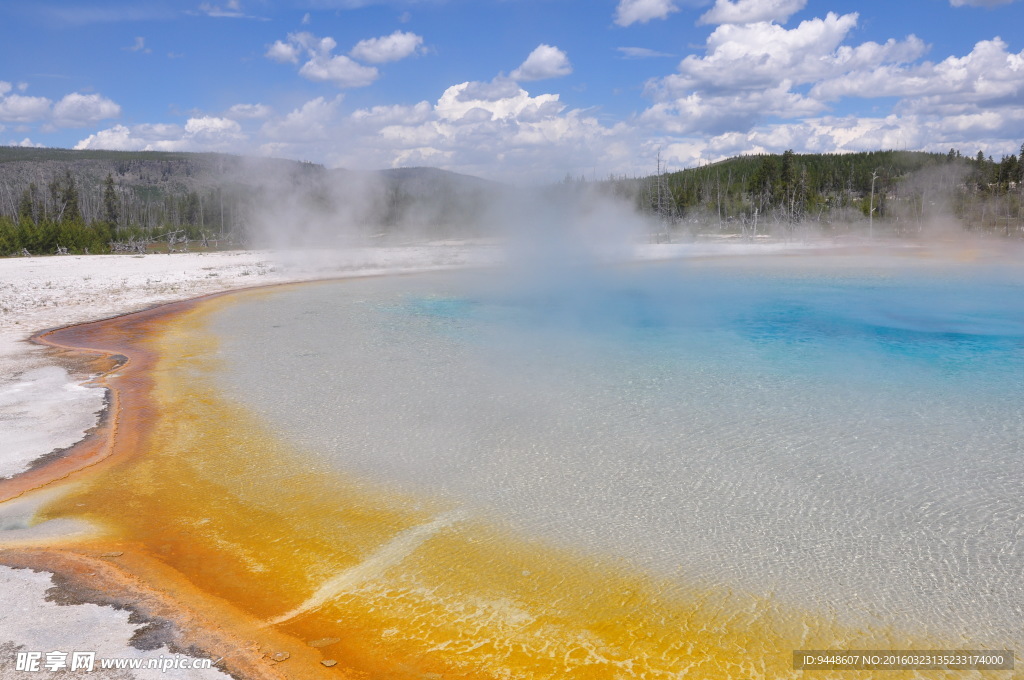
{"x": 145, "y": 195}
{"x": 896, "y": 192}
{"x": 53, "y": 200}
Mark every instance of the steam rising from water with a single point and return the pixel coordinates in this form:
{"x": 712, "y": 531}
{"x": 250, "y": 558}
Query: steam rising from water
{"x": 307, "y": 207}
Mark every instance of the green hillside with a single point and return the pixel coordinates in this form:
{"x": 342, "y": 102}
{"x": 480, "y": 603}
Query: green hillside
{"x": 894, "y": 191}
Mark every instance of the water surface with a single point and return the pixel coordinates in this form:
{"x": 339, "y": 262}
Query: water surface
{"x": 842, "y": 435}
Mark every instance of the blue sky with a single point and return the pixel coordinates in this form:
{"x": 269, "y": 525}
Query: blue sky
{"x": 521, "y": 90}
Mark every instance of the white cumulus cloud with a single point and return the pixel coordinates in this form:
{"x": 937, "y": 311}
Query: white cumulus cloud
{"x": 213, "y": 129}
{"x": 79, "y": 110}
{"x": 17, "y": 108}
{"x": 751, "y": 57}
{"x": 989, "y": 76}
{"x": 138, "y": 138}
{"x": 394, "y": 47}
{"x": 629, "y": 12}
{"x": 339, "y": 70}
{"x": 322, "y": 65}
{"x": 204, "y": 133}
{"x": 283, "y": 52}
{"x": 546, "y": 61}
{"x": 751, "y": 11}
{"x": 309, "y": 122}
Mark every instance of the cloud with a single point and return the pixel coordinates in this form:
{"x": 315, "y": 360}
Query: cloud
{"x": 307, "y": 123}
{"x": 717, "y": 106}
{"x": 640, "y": 53}
{"x": 494, "y": 129}
{"x": 249, "y": 111}
{"x": 751, "y": 11}
{"x": 16, "y": 108}
{"x": 394, "y": 47}
{"x": 5, "y": 87}
{"x": 506, "y": 101}
{"x": 629, "y": 12}
{"x": 283, "y": 52}
{"x": 339, "y": 70}
{"x": 205, "y": 133}
{"x": 322, "y": 65}
{"x": 704, "y": 113}
{"x": 79, "y": 110}
{"x": 231, "y": 10}
{"x": 544, "y": 62}
{"x": 139, "y": 46}
{"x": 211, "y": 130}
{"x": 754, "y": 72}
{"x": 139, "y": 138}
{"x": 993, "y": 132}
{"x": 752, "y": 57}
{"x": 989, "y": 76}
{"x": 979, "y": 3}
{"x": 382, "y": 116}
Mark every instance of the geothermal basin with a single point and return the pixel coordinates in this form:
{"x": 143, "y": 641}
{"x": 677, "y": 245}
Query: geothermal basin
{"x": 634, "y": 471}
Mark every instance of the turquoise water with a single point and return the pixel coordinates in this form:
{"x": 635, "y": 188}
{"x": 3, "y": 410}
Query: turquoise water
{"x": 844, "y": 434}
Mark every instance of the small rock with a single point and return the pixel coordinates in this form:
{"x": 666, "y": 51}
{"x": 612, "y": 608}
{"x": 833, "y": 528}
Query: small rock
{"x": 112, "y": 554}
{"x": 323, "y": 642}
{"x": 280, "y": 656}
{"x": 329, "y": 662}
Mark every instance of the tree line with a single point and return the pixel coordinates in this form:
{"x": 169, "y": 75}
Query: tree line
{"x": 62, "y": 217}
{"x": 893, "y": 191}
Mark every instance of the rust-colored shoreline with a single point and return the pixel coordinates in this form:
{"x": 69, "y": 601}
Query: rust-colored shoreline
{"x": 110, "y": 348}
{"x": 104, "y": 344}
{"x": 125, "y": 576}
{"x": 175, "y": 613}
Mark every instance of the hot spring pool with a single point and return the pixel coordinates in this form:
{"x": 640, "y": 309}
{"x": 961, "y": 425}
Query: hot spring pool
{"x": 843, "y": 435}
{"x": 644, "y": 472}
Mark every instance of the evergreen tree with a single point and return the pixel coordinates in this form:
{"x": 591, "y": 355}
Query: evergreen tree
{"x": 64, "y": 193}
{"x": 25, "y": 206}
{"x": 111, "y": 213}
{"x": 1020, "y": 166}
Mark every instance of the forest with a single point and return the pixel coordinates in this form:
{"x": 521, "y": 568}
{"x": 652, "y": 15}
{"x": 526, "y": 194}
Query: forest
{"x": 888, "y": 192}
{"x": 57, "y": 201}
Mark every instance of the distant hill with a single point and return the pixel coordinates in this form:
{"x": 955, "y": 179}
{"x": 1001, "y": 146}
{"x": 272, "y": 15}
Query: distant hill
{"x": 897, "y": 191}
{"x": 139, "y": 193}
{"x": 52, "y": 200}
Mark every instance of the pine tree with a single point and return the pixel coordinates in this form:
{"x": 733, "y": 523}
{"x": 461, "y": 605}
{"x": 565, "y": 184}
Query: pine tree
{"x": 110, "y": 207}
{"x": 25, "y": 212}
{"x": 64, "y": 193}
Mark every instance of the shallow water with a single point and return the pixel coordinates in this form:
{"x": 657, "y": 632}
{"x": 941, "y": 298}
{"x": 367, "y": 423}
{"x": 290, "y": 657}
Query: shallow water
{"x": 842, "y": 435}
